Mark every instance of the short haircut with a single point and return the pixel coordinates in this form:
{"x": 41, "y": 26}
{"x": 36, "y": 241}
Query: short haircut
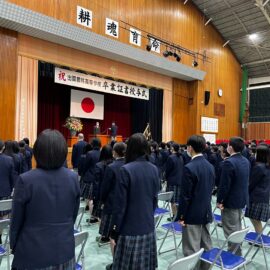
{"x": 9, "y": 149}
{"x": 80, "y": 136}
{"x": 1, "y": 145}
{"x": 262, "y": 153}
{"x": 137, "y": 146}
{"x": 176, "y": 147}
{"x": 50, "y": 149}
{"x": 197, "y": 142}
{"x": 26, "y": 140}
{"x": 162, "y": 145}
{"x": 22, "y": 144}
{"x": 96, "y": 143}
{"x": 120, "y": 149}
{"x": 237, "y": 143}
{"x": 88, "y": 147}
{"x": 224, "y": 145}
{"x": 16, "y": 147}
{"x": 106, "y": 153}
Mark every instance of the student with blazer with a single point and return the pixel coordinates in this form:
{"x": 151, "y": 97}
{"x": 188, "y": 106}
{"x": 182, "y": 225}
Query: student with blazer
{"x": 258, "y": 209}
{"x": 29, "y": 149}
{"x": 133, "y": 214}
{"x": 45, "y": 207}
{"x": 195, "y": 211}
{"x": 174, "y": 174}
{"x": 77, "y": 151}
{"x": 232, "y": 194}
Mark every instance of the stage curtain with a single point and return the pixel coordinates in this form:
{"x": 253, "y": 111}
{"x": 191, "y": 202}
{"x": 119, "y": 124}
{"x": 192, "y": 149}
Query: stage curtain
{"x": 148, "y": 111}
{"x": 26, "y": 100}
{"x": 167, "y": 116}
{"x": 54, "y": 107}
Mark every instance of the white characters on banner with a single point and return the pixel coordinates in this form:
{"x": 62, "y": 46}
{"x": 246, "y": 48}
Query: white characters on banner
{"x": 112, "y": 28}
{"x": 84, "y": 17}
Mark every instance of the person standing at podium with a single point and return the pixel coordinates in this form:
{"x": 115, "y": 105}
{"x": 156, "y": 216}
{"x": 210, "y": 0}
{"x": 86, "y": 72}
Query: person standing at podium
{"x": 114, "y": 129}
{"x": 96, "y": 129}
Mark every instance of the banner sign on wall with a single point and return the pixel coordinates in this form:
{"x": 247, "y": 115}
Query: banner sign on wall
{"x": 77, "y": 79}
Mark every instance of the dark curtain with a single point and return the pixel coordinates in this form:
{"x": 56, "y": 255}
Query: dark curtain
{"x": 148, "y": 111}
{"x": 54, "y": 106}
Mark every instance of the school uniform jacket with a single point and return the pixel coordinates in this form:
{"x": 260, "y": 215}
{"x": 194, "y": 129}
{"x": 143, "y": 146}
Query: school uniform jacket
{"x": 92, "y": 158}
{"x": 136, "y": 198}
{"x": 196, "y": 192}
{"x": 111, "y": 177}
{"x": 77, "y": 151}
{"x": 7, "y": 175}
{"x": 234, "y": 180}
{"x": 45, "y": 207}
{"x": 174, "y": 170}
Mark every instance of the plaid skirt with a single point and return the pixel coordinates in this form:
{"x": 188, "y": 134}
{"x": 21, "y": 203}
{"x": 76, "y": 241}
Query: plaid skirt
{"x": 87, "y": 191}
{"x": 4, "y": 213}
{"x": 69, "y": 265}
{"x": 258, "y": 211}
{"x": 105, "y": 225}
{"x": 136, "y": 252}
{"x": 176, "y": 193}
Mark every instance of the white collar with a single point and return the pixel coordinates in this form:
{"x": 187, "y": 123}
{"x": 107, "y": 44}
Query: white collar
{"x": 198, "y": 155}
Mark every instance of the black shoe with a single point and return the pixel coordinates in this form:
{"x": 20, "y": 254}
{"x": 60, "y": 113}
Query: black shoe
{"x": 0, "y": 239}
{"x": 87, "y": 208}
{"x": 92, "y": 220}
{"x": 104, "y": 240}
{"x": 171, "y": 219}
{"x": 109, "y": 266}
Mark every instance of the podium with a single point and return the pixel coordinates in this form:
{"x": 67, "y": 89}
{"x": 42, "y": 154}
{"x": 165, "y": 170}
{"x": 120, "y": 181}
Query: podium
{"x": 72, "y": 140}
{"x": 104, "y": 139}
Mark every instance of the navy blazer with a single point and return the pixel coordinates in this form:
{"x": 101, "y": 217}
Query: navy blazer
{"x": 7, "y": 175}
{"x": 111, "y": 177}
{"x": 114, "y": 129}
{"x": 91, "y": 160}
{"x": 77, "y": 151}
{"x": 174, "y": 170}
{"x": 259, "y": 184}
{"x": 186, "y": 157}
{"x": 234, "y": 179}
{"x": 136, "y": 198}
{"x": 196, "y": 192}
{"x": 45, "y": 207}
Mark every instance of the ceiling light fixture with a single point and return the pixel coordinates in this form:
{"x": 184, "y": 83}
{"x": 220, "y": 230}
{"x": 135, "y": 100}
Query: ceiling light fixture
{"x": 253, "y": 36}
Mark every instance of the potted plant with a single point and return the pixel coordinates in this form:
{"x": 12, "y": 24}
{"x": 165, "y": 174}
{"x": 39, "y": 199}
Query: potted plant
{"x": 74, "y": 125}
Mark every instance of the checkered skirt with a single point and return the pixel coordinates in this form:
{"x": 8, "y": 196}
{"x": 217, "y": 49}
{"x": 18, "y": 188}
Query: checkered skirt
{"x": 69, "y": 265}
{"x": 87, "y": 191}
{"x": 176, "y": 193}
{"x": 136, "y": 253}
{"x": 105, "y": 225}
{"x": 4, "y": 213}
{"x": 258, "y": 211}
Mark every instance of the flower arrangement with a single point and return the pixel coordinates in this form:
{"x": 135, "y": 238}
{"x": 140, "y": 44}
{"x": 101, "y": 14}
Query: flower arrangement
{"x": 73, "y": 123}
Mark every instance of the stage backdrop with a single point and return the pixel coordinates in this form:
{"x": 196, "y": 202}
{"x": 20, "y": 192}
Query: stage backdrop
{"x": 130, "y": 114}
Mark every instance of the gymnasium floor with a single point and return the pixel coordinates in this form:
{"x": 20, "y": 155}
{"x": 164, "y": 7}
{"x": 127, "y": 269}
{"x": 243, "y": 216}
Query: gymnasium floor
{"x": 96, "y": 258}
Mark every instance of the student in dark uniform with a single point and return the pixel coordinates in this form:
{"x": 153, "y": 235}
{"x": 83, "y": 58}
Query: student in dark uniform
{"x": 174, "y": 174}
{"x": 186, "y": 156}
{"x": 104, "y": 160}
{"x": 82, "y": 162}
{"x": 156, "y": 157}
{"x": 7, "y": 176}
{"x": 45, "y": 207}
{"x": 26, "y": 157}
{"x": 164, "y": 154}
{"x": 77, "y": 151}
{"x": 232, "y": 194}
{"x": 259, "y": 189}
{"x": 111, "y": 176}
{"x": 91, "y": 160}
{"x": 133, "y": 215}
{"x": 195, "y": 210}
{"x": 114, "y": 129}
{"x": 29, "y": 149}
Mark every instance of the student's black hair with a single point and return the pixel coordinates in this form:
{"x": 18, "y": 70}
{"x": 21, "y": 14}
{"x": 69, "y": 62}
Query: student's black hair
{"x": 26, "y": 140}
{"x": 176, "y": 148}
{"x": 224, "y": 145}
{"x": 1, "y": 145}
{"x": 237, "y": 143}
{"x": 96, "y": 144}
{"x": 137, "y": 146}
{"x": 16, "y": 147}
{"x": 162, "y": 145}
{"x": 88, "y": 147}
{"x": 50, "y": 149}
{"x": 155, "y": 147}
{"x": 120, "y": 148}
{"x": 197, "y": 142}
{"x": 9, "y": 148}
{"x": 106, "y": 154}
{"x": 22, "y": 146}
{"x": 262, "y": 154}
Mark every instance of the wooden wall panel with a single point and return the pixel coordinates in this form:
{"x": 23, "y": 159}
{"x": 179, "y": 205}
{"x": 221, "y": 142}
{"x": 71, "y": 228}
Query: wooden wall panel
{"x": 8, "y": 73}
{"x": 258, "y": 131}
{"x": 170, "y": 20}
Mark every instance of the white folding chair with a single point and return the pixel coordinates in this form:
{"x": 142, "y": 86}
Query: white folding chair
{"x": 176, "y": 229}
{"x": 224, "y": 259}
{"x": 77, "y": 226}
{"x": 4, "y": 248}
{"x": 259, "y": 240}
{"x": 80, "y": 240}
{"x": 165, "y": 198}
{"x": 187, "y": 263}
{"x": 5, "y": 205}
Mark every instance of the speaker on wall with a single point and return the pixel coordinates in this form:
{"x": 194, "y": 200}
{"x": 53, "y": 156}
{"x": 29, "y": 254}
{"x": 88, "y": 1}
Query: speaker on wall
{"x": 206, "y": 97}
